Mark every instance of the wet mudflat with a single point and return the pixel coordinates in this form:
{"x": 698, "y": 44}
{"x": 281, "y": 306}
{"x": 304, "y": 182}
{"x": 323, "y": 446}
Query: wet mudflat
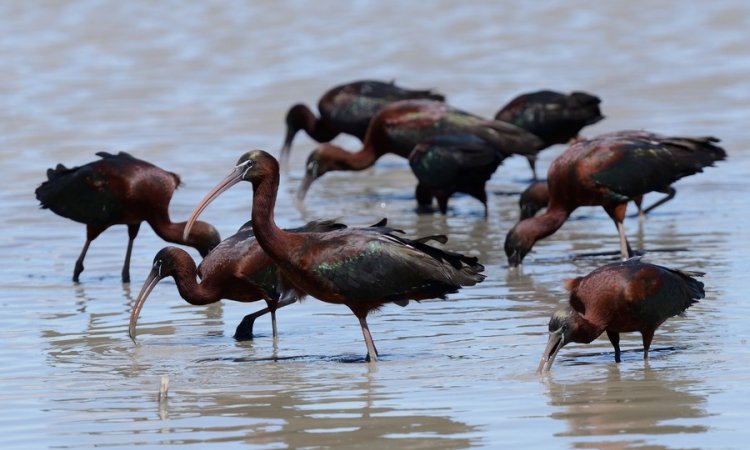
{"x": 191, "y": 86}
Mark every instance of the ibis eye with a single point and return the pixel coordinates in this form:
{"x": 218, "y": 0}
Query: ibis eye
{"x": 248, "y": 165}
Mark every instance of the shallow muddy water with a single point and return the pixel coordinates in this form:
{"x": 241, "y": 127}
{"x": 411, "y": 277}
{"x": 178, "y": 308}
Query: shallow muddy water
{"x": 189, "y": 86}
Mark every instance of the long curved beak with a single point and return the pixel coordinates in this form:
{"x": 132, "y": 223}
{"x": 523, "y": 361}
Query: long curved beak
{"x": 286, "y": 149}
{"x": 305, "y": 186}
{"x": 151, "y": 281}
{"x": 515, "y": 259}
{"x": 554, "y": 344}
{"x": 233, "y": 178}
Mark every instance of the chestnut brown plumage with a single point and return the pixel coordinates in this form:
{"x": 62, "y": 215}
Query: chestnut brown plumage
{"x": 362, "y": 268}
{"x": 536, "y": 197}
{"x": 119, "y": 190}
{"x": 400, "y": 126}
{"x": 236, "y": 269}
{"x": 610, "y": 170}
{"x": 618, "y": 298}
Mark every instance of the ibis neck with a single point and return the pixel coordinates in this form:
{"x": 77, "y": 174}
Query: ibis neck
{"x": 545, "y": 224}
{"x": 166, "y": 229}
{"x": 356, "y": 161}
{"x": 585, "y": 331}
{"x": 315, "y": 127}
{"x": 270, "y": 237}
{"x": 193, "y": 292}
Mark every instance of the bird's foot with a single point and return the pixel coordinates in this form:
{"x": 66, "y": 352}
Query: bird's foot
{"x": 244, "y": 331}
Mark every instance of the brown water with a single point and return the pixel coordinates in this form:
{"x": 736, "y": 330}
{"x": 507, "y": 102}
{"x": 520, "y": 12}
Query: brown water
{"x": 191, "y": 85}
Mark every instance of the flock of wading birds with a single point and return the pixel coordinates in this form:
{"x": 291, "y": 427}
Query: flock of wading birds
{"x": 449, "y": 151}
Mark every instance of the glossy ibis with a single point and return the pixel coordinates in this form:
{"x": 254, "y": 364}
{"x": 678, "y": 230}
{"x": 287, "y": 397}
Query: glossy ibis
{"x": 453, "y": 163}
{"x": 609, "y": 171}
{"x": 400, "y": 126}
{"x": 119, "y": 190}
{"x": 362, "y": 268}
{"x": 618, "y": 298}
{"x": 236, "y": 269}
{"x": 347, "y": 109}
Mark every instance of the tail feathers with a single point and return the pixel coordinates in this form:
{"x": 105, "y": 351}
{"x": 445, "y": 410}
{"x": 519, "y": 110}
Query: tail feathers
{"x": 703, "y": 151}
{"x": 694, "y": 287}
{"x": 469, "y": 270}
{"x": 585, "y": 108}
{"x": 585, "y": 99}
{"x": 510, "y": 139}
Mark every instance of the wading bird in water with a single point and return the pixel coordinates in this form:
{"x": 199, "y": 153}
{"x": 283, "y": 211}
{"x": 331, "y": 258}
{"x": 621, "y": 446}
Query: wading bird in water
{"x": 236, "y": 269}
{"x": 347, "y": 109}
{"x": 618, "y": 298}
{"x": 400, "y": 126}
{"x": 362, "y": 268}
{"x": 119, "y": 190}
{"x": 611, "y": 170}
{"x": 453, "y": 163}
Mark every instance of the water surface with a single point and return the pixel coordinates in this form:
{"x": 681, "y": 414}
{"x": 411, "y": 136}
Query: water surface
{"x": 190, "y": 86}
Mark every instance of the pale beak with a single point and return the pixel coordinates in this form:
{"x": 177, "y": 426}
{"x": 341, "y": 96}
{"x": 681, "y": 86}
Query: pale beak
{"x": 151, "y": 281}
{"x": 310, "y": 176}
{"x": 554, "y": 344}
{"x": 286, "y": 149}
{"x": 233, "y": 178}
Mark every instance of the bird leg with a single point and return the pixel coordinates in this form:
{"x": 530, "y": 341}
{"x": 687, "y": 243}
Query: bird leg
{"x": 423, "y": 195}
{"x": 670, "y": 195}
{"x": 274, "y": 331}
{"x": 132, "y": 233}
{"x": 614, "y": 338}
{"x": 79, "y": 263}
{"x": 480, "y": 194}
{"x": 639, "y": 204}
{"x": 372, "y": 352}
{"x": 244, "y": 331}
{"x": 625, "y": 249}
{"x": 648, "y": 335}
{"x": 442, "y": 201}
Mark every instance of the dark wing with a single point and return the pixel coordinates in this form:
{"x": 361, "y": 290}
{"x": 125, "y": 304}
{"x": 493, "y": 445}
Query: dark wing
{"x": 369, "y": 266}
{"x": 669, "y": 292}
{"x": 391, "y": 92}
{"x": 352, "y": 106}
{"x": 81, "y": 193}
{"x": 509, "y": 139}
{"x": 638, "y": 165}
{"x": 554, "y": 117}
{"x": 445, "y": 160}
